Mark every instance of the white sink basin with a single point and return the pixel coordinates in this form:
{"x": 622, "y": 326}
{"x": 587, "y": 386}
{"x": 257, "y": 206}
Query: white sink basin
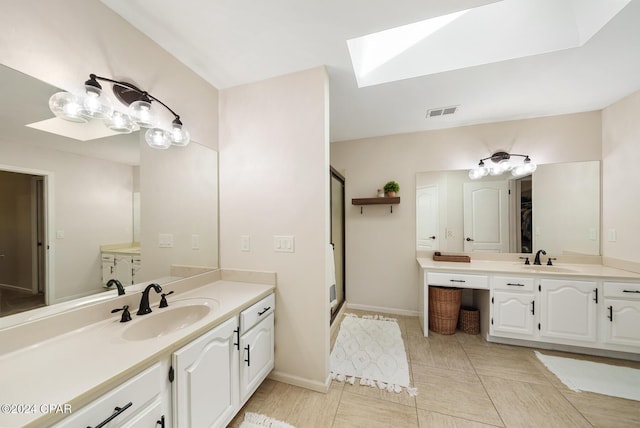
{"x": 545, "y": 268}
{"x": 162, "y": 321}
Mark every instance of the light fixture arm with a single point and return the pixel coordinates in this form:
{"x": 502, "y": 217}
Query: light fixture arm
{"x": 93, "y": 78}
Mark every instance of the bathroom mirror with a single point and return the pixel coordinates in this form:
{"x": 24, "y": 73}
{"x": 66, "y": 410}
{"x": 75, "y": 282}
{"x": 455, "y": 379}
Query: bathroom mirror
{"x": 557, "y": 209}
{"x": 76, "y": 196}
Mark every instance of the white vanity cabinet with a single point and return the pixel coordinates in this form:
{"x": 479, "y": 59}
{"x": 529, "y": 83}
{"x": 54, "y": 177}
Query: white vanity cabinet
{"x": 122, "y": 267}
{"x": 138, "y": 403}
{"x": 205, "y": 387}
{"x": 622, "y": 313}
{"x": 513, "y": 307}
{"x": 568, "y": 310}
{"x": 256, "y": 345}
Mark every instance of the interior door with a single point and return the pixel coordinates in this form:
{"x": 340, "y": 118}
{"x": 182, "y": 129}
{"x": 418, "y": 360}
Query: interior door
{"x": 427, "y": 218}
{"x": 486, "y": 217}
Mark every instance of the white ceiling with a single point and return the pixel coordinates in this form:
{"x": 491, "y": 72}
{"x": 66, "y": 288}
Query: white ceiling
{"x": 231, "y": 43}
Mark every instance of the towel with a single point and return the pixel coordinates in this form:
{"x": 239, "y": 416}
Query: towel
{"x": 331, "y": 275}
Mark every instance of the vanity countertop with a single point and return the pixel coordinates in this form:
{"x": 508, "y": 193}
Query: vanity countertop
{"x": 71, "y": 368}
{"x": 519, "y": 268}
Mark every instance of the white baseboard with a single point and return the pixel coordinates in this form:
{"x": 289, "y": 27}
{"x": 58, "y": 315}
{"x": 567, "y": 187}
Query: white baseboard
{"x": 301, "y": 382}
{"x": 384, "y": 310}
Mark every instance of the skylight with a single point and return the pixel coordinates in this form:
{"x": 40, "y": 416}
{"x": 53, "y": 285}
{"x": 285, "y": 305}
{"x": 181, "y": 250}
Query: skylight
{"x": 500, "y": 31}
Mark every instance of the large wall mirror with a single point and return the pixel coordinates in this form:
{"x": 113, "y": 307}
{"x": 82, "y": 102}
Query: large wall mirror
{"x": 67, "y": 200}
{"x": 557, "y": 209}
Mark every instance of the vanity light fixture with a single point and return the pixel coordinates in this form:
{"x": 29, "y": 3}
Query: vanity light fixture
{"x": 501, "y": 163}
{"x": 94, "y": 104}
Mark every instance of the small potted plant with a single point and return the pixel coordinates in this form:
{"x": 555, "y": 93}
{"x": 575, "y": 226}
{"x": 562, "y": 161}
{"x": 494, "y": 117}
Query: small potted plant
{"x": 391, "y": 188}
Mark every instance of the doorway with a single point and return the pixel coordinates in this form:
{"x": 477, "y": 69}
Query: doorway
{"x": 23, "y": 266}
{"x": 337, "y": 293}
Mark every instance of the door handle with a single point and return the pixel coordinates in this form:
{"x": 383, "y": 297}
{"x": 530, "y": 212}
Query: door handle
{"x": 610, "y": 316}
{"x": 533, "y": 307}
{"x": 596, "y": 298}
{"x": 432, "y": 237}
{"x": 469, "y": 239}
{"x": 248, "y": 360}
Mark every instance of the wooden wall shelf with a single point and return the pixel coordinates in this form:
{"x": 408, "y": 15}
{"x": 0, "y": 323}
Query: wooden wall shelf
{"x": 376, "y": 201}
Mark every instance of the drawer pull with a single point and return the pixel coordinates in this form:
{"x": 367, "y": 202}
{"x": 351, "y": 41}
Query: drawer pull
{"x": 515, "y": 284}
{"x": 116, "y": 412}
{"x": 264, "y": 311}
{"x": 237, "y": 342}
{"x": 457, "y": 280}
{"x": 631, "y": 291}
{"x": 248, "y": 360}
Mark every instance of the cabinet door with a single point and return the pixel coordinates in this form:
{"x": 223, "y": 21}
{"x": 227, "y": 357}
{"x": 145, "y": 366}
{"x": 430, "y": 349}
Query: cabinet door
{"x": 568, "y": 309}
{"x": 623, "y": 321}
{"x": 513, "y": 314}
{"x": 108, "y": 268}
{"x": 124, "y": 269}
{"x": 205, "y": 389}
{"x": 257, "y": 356}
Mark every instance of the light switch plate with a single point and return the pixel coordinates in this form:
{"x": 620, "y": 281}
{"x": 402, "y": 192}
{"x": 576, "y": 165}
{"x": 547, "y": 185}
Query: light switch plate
{"x": 245, "y": 243}
{"x": 283, "y": 244}
{"x": 195, "y": 242}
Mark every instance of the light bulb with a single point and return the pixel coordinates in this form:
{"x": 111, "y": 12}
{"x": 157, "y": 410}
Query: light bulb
{"x": 179, "y": 134}
{"x": 157, "y": 138}
{"x": 96, "y": 106}
{"x": 120, "y": 122}
{"x": 68, "y": 107}
{"x": 141, "y": 114}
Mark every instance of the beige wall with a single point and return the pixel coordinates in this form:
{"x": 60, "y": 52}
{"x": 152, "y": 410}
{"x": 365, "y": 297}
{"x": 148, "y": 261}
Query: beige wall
{"x": 381, "y": 265}
{"x": 621, "y": 177}
{"x": 179, "y": 196}
{"x": 274, "y": 180}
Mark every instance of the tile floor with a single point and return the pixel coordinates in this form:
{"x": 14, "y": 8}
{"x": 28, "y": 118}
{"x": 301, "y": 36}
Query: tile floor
{"x": 462, "y": 381}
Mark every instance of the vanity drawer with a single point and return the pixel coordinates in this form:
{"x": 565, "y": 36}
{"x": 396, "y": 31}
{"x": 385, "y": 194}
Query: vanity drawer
{"x": 513, "y": 283}
{"x": 462, "y": 280}
{"x": 256, "y": 313}
{"x": 130, "y": 397}
{"x": 627, "y": 290}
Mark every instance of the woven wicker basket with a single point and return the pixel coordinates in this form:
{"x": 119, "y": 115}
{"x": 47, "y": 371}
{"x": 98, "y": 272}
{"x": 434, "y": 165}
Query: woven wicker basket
{"x": 469, "y": 320}
{"x": 444, "y": 306}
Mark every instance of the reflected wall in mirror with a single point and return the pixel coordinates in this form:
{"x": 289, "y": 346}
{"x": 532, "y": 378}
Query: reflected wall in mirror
{"x": 556, "y": 209}
{"x": 65, "y": 199}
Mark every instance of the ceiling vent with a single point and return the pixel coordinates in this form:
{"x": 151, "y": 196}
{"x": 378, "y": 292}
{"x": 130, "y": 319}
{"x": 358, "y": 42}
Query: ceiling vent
{"x": 441, "y": 111}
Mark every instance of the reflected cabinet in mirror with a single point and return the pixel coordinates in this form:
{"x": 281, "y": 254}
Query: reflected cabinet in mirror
{"x": 81, "y": 205}
{"x": 557, "y": 209}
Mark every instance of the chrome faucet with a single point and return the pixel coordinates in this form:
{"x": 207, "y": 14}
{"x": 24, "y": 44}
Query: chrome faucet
{"x": 118, "y": 284}
{"x": 536, "y": 261}
{"x": 144, "y": 301}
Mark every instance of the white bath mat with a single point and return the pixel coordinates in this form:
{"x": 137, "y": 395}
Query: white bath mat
{"x": 371, "y": 349}
{"x": 580, "y": 375}
{"x": 256, "y": 420}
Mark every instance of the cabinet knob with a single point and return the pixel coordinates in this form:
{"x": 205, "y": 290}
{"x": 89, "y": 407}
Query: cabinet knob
{"x": 469, "y": 239}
